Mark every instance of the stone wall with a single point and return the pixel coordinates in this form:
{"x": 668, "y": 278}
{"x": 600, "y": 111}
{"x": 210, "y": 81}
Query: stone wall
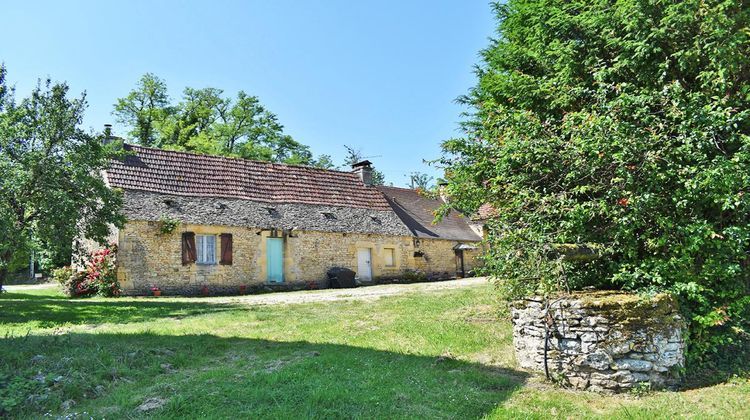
{"x": 601, "y": 341}
{"x": 148, "y": 257}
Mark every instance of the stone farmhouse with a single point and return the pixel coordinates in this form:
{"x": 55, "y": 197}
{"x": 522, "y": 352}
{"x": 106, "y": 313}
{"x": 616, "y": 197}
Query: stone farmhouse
{"x": 198, "y": 224}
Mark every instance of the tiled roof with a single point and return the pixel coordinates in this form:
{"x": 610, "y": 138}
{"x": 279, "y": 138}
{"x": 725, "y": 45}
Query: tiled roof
{"x": 189, "y": 174}
{"x": 418, "y": 212}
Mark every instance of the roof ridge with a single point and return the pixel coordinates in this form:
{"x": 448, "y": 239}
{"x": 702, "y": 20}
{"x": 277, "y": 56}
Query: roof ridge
{"x": 232, "y": 158}
{"x": 398, "y": 188}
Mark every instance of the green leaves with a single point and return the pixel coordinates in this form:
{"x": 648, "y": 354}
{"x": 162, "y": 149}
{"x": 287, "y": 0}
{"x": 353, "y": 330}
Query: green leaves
{"x": 51, "y": 190}
{"x": 205, "y": 121}
{"x": 624, "y": 124}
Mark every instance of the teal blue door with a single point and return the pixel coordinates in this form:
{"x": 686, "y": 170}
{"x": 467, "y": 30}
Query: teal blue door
{"x": 275, "y": 259}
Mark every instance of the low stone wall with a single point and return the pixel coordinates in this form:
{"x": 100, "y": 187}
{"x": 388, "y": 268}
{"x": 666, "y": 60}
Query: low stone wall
{"x": 601, "y": 341}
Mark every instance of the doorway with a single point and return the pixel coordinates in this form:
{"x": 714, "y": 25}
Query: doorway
{"x": 275, "y": 260}
{"x": 364, "y": 264}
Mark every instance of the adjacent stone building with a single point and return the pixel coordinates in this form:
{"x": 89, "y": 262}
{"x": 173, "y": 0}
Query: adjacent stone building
{"x": 201, "y": 223}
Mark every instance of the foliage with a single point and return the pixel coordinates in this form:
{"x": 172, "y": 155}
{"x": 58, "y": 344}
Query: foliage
{"x": 51, "y": 190}
{"x": 324, "y": 162}
{"x": 414, "y": 276}
{"x": 98, "y": 278}
{"x": 62, "y": 275}
{"x": 624, "y": 124}
{"x": 354, "y": 155}
{"x": 77, "y": 285}
{"x": 420, "y": 180}
{"x": 206, "y": 121}
{"x": 144, "y": 109}
{"x": 167, "y": 224}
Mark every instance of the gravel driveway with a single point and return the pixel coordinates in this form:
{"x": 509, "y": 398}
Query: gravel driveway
{"x": 359, "y": 293}
{"x": 306, "y": 296}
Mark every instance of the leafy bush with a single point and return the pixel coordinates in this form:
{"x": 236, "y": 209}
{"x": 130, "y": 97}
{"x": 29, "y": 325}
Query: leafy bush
{"x": 99, "y": 277}
{"x": 622, "y": 124}
{"x": 78, "y": 285}
{"x": 413, "y": 276}
{"x": 62, "y": 275}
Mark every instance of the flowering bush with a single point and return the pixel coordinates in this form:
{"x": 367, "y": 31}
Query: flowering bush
{"x": 98, "y": 278}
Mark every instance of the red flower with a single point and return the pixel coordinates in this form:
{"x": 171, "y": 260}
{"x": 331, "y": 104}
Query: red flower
{"x": 623, "y": 201}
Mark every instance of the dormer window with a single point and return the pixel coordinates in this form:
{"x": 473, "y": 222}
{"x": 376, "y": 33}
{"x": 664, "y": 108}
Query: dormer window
{"x": 329, "y": 216}
{"x": 376, "y": 220}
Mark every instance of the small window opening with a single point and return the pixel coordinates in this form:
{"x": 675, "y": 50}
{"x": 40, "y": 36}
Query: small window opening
{"x": 329, "y": 216}
{"x": 376, "y": 220}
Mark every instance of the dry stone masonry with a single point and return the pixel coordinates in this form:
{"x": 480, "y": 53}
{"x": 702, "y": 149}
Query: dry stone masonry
{"x": 601, "y": 341}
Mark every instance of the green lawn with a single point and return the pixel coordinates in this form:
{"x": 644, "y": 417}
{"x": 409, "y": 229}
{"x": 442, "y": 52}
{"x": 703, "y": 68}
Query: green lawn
{"x": 441, "y": 355}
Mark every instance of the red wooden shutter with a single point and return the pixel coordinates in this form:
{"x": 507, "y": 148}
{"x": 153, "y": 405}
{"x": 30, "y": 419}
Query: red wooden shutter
{"x": 226, "y": 248}
{"x": 188, "y": 248}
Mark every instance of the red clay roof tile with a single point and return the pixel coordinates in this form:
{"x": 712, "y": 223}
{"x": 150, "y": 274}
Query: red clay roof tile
{"x": 191, "y": 174}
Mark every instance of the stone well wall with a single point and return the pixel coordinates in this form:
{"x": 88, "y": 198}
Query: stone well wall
{"x": 601, "y": 341}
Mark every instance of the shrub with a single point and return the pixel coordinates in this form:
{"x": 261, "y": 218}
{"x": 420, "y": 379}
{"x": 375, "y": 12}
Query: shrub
{"x": 98, "y": 278}
{"x": 62, "y": 275}
{"x": 413, "y": 276}
{"x": 77, "y": 286}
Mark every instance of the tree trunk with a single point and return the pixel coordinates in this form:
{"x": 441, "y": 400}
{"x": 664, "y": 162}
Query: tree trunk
{"x": 5, "y": 258}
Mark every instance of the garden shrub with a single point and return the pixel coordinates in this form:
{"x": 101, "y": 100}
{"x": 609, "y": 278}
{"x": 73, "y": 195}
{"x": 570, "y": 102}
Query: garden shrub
{"x": 620, "y": 124}
{"x": 98, "y": 278}
{"x": 62, "y": 275}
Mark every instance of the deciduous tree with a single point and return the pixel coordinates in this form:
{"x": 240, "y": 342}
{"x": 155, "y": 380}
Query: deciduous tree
{"x": 51, "y": 188}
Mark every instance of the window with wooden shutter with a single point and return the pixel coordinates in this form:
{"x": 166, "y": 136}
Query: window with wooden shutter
{"x": 188, "y": 248}
{"x": 226, "y": 248}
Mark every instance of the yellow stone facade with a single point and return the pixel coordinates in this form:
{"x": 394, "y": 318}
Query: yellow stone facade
{"x": 147, "y": 257}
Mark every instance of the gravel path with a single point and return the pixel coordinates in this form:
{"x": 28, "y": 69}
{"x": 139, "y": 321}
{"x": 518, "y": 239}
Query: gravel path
{"x": 307, "y": 296}
{"x": 359, "y": 293}
{"x": 22, "y": 287}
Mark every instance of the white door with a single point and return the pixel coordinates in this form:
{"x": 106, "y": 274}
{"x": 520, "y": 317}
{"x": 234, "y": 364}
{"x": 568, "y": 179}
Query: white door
{"x": 364, "y": 266}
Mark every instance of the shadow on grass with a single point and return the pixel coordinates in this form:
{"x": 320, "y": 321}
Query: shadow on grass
{"x": 111, "y": 375}
{"x": 50, "y": 311}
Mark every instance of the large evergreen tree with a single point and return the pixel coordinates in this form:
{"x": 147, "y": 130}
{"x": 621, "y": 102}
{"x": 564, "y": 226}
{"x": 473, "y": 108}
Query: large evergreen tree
{"x": 624, "y": 124}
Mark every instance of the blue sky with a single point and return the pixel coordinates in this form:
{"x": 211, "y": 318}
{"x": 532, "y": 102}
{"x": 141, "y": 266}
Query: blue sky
{"x": 379, "y": 75}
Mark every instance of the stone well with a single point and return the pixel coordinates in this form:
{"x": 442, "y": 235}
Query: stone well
{"x": 601, "y": 341}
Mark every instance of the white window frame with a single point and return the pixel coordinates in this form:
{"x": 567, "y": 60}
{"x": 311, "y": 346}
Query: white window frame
{"x": 205, "y": 248}
{"x": 392, "y": 252}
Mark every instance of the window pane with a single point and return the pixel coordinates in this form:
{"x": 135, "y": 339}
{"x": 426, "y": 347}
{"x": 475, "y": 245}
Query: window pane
{"x": 206, "y": 245}
{"x": 211, "y": 249}
{"x": 199, "y": 247}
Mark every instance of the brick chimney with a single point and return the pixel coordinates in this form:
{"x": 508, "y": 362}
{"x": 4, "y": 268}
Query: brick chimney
{"x": 364, "y": 170}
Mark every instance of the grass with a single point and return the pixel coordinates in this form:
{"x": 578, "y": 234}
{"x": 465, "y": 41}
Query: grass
{"x": 444, "y": 354}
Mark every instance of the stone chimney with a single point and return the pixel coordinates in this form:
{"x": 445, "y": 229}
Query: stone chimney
{"x": 364, "y": 170}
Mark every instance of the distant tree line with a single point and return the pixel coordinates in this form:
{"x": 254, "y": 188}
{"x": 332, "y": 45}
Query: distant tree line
{"x": 207, "y": 121}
